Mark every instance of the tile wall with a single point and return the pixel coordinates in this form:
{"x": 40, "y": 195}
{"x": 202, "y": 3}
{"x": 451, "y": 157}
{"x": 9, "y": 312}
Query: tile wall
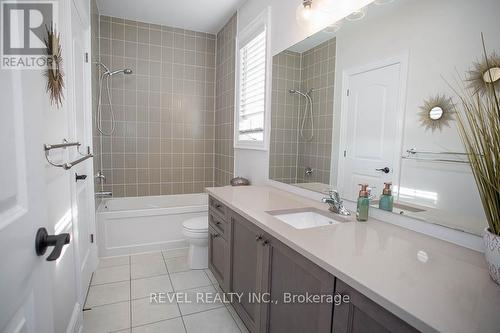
{"x": 224, "y": 103}
{"x": 285, "y": 117}
{"x": 291, "y": 154}
{"x": 318, "y": 73}
{"x": 163, "y": 142}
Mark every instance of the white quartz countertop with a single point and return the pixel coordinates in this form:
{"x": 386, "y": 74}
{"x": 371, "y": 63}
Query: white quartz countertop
{"x": 432, "y": 284}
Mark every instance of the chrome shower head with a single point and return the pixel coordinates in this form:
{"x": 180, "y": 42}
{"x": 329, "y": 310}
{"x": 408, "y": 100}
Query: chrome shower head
{"x": 119, "y": 71}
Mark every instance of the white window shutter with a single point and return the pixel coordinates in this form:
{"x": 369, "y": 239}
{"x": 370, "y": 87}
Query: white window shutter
{"x": 252, "y": 88}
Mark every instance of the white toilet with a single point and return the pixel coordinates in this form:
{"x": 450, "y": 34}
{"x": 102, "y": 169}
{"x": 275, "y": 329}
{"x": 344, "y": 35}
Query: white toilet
{"x": 196, "y": 232}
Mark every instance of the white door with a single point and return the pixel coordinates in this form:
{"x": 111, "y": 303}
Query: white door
{"x": 371, "y": 126}
{"x": 81, "y": 129}
{"x": 25, "y": 278}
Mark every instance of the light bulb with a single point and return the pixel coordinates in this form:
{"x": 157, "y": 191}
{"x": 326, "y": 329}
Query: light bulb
{"x": 304, "y": 12}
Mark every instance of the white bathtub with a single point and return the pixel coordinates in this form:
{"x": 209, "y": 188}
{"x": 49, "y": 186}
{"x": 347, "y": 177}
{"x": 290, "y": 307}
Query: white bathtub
{"x": 144, "y": 224}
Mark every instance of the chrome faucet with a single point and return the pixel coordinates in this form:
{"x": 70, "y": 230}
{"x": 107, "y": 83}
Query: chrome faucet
{"x": 101, "y": 177}
{"x": 336, "y": 204}
{"x": 103, "y": 194}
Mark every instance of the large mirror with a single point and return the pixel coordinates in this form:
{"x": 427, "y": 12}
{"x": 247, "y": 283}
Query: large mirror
{"x": 347, "y": 105}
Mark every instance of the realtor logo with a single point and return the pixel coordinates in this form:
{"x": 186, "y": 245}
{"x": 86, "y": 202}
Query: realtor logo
{"x": 24, "y": 28}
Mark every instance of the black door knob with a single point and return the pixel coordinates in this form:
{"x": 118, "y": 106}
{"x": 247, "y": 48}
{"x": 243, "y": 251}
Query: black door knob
{"x": 384, "y": 170}
{"x": 80, "y": 177}
{"x": 43, "y": 240}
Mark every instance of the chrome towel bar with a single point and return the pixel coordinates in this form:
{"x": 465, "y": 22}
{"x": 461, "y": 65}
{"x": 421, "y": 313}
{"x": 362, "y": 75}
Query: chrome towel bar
{"x": 68, "y": 165}
{"x": 412, "y": 154}
{"x": 65, "y": 144}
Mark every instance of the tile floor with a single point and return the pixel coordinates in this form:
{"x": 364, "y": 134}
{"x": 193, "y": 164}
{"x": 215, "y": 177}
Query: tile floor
{"x": 119, "y": 297}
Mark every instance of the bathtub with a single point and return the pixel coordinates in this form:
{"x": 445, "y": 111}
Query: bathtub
{"x": 144, "y": 224}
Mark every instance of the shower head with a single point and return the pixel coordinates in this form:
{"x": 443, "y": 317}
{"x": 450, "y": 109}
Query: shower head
{"x": 119, "y": 71}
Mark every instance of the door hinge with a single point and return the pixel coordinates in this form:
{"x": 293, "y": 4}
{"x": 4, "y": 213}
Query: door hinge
{"x": 347, "y": 92}
{"x": 92, "y": 238}
{"x": 345, "y": 153}
{"x": 86, "y": 57}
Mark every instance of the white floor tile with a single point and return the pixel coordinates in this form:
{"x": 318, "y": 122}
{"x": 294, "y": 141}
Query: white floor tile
{"x": 108, "y": 293}
{"x": 167, "y": 326}
{"x": 207, "y": 301}
{"x": 212, "y": 321}
{"x": 111, "y": 274}
{"x": 147, "y": 269}
{"x": 144, "y": 312}
{"x": 179, "y": 264}
{"x": 146, "y": 258}
{"x": 190, "y": 279}
{"x": 156, "y": 284}
{"x": 211, "y": 276}
{"x": 182, "y": 252}
{"x": 113, "y": 261}
{"x": 107, "y": 318}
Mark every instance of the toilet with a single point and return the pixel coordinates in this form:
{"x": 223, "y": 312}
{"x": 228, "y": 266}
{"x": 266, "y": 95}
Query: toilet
{"x": 196, "y": 232}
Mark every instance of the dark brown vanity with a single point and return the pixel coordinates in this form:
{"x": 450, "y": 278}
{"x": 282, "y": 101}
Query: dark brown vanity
{"x": 245, "y": 259}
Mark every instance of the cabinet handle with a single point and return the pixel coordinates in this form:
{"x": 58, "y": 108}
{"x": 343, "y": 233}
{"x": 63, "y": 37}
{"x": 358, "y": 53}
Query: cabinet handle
{"x": 265, "y": 243}
{"x": 258, "y": 238}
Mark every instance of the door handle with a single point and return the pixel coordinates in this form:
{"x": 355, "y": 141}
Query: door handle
{"x": 43, "y": 240}
{"x": 80, "y": 177}
{"x": 384, "y": 170}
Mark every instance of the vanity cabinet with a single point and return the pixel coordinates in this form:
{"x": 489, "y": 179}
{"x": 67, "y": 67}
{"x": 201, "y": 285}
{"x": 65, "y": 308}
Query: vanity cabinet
{"x": 265, "y": 267}
{"x": 246, "y": 269}
{"x": 363, "y": 315}
{"x": 219, "y": 254}
{"x": 245, "y": 259}
{"x": 288, "y": 274}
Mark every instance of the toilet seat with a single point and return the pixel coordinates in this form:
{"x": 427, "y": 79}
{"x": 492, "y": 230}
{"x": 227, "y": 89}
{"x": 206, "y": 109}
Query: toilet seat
{"x": 197, "y": 224}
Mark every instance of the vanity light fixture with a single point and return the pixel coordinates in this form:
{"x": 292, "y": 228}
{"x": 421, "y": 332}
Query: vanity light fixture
{"x": 312, "y": 12}
{"x": 304, "y": 10}
{"x": 333, "y": 28}
{"x": 382, "y": 2}
{"x": 356, "y": 15}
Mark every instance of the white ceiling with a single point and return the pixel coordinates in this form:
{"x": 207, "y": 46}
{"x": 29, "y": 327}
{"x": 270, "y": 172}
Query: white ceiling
{"x": 197, "y": 15}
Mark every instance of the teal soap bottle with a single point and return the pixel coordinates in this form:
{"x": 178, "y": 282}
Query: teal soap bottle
{"x": 386, "y": 201}
{"x": 363, "y": 204}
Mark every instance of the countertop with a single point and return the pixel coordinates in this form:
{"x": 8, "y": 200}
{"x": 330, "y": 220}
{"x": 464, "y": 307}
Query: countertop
{"x": 434, "y": 285}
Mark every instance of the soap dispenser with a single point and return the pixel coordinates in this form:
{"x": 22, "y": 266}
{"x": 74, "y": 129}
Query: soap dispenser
{"x": 363, "y": 203}
{"x": 386, "y": 201}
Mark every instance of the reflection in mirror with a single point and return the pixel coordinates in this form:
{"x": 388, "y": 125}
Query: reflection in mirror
{"x": 365, "y": 81}
{"x": 436, "y": 113}
{"x": 302, "y": 115}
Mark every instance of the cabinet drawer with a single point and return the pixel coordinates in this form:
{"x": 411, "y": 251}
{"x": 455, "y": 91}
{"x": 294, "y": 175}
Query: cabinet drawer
{"x": 218, "y": 224}
{"x": 218, "y": 207}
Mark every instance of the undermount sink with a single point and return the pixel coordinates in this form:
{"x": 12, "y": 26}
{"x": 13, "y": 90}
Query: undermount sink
{"x": 305, "y": 218}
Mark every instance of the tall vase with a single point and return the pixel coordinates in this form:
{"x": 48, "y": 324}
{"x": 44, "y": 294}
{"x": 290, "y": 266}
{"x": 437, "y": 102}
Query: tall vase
{"x": 492, "y": 254}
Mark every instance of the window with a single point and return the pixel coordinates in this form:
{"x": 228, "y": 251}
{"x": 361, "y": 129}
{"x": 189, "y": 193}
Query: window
{"x": 251, "y": 87}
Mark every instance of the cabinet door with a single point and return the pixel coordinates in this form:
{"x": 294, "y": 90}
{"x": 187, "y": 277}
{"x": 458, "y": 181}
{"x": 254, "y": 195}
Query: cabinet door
{"x": 246, "y": 269}
{"x": 363, "y": 315}
{"x": 287, "y": 272}
{"x": 218, "y": 258}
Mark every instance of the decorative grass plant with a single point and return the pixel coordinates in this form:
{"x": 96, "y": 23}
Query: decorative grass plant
{"x": 478, "y": 122}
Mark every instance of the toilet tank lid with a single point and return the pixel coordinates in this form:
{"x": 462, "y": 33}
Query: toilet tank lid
{"x": 196, "y": 223}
